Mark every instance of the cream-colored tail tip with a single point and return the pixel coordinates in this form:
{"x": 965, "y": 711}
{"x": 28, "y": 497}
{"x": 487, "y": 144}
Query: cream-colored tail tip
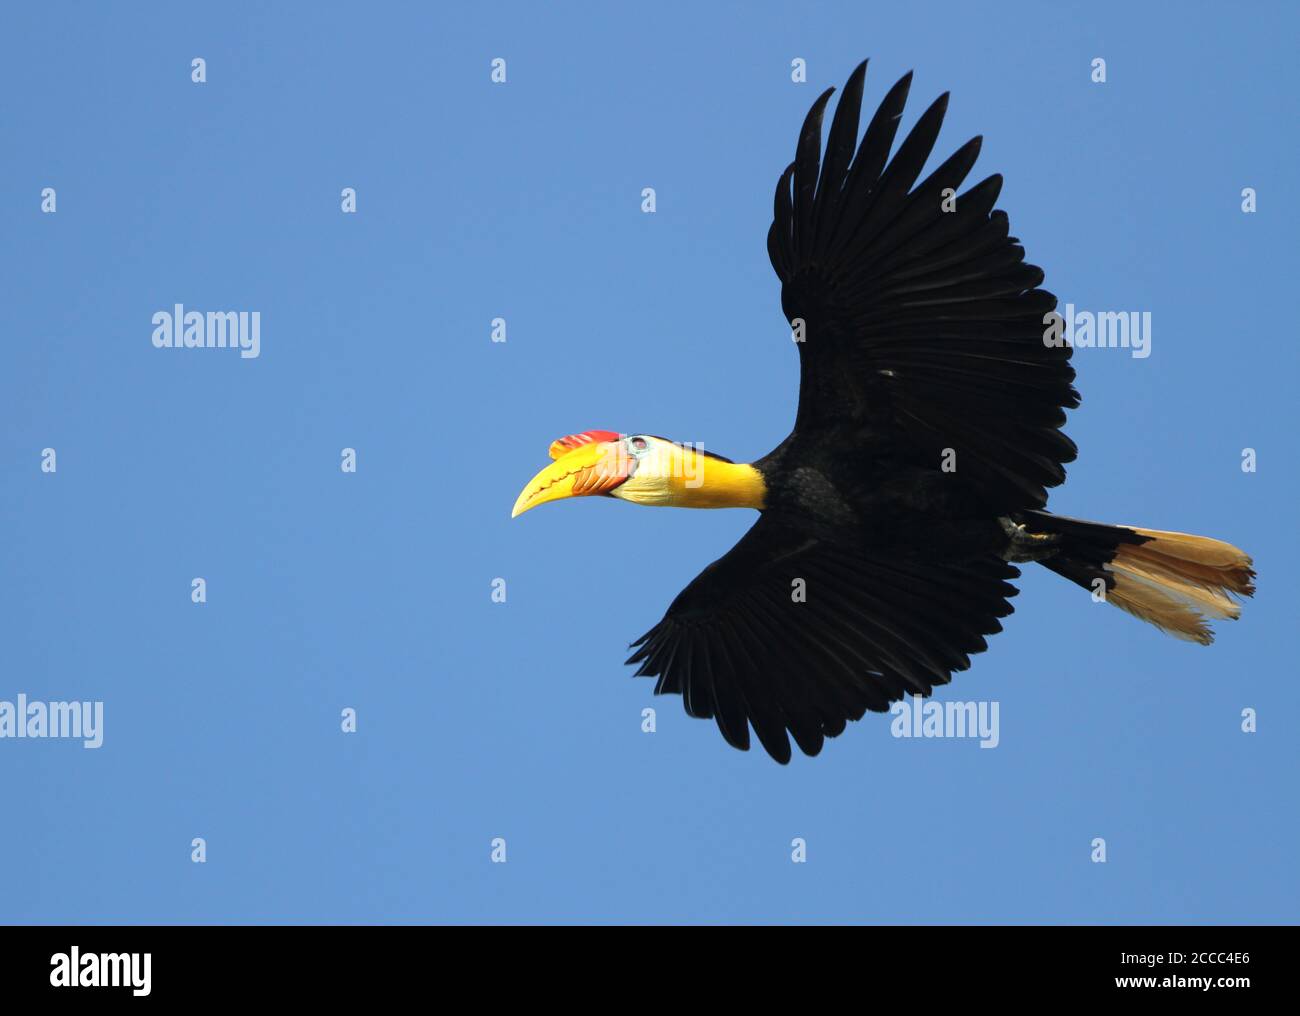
{"x": 1180, "y": 582}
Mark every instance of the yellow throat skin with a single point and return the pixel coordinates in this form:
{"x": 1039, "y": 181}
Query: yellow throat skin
{"x": 679, "y": 477}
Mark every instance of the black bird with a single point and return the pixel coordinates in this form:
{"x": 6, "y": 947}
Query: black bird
{"x": 931, "y": 399}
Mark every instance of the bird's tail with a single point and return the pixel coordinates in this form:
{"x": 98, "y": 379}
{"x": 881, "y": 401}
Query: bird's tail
{"x": 1175, "y": 581}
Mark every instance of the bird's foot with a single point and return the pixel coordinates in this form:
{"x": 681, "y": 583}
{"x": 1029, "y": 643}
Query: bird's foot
{"x": 1027, "y": 546}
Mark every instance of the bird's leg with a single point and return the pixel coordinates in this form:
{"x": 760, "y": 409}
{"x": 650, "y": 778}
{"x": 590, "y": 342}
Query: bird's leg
{"x": 1026, "y": 546}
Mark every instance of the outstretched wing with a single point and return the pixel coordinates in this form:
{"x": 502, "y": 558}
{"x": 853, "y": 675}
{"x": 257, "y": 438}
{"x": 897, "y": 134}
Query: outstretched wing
{"x": 791, "y": 633}
{"x": 919, "y": 314}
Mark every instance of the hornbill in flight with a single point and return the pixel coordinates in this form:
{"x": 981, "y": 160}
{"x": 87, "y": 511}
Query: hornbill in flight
{"x": 927, "y": 434}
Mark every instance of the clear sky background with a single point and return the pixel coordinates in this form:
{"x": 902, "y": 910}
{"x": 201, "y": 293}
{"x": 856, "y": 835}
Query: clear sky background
{"x": 372, "y": 591}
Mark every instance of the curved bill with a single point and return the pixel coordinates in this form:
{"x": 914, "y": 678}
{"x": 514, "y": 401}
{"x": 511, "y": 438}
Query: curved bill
{"x": 595, "y": 468}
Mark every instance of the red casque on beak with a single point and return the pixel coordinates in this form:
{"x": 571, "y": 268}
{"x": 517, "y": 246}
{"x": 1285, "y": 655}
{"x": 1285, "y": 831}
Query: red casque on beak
{"x": 562, "y": 446}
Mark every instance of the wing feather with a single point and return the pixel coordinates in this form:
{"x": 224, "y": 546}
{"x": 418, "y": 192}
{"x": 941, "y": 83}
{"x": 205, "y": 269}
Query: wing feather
{"x": 920, "y": 319}
{"x": 874, "y": 626}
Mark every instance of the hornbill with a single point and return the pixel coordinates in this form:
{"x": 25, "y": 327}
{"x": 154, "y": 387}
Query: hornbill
{"x": 927, "y": 434}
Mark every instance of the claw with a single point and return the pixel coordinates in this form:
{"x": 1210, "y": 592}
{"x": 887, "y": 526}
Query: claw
{"x": 1024, "y": 545}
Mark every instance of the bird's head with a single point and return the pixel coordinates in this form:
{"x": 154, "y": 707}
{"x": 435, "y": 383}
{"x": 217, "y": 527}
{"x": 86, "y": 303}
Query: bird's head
{"x": 641, "y": 469}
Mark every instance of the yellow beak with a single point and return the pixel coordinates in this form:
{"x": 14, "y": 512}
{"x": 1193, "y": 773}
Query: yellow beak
{"x": 595, "y": 468}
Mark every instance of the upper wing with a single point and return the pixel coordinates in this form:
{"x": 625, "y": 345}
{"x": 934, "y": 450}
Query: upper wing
{"x": 746, "y": 644}
{"x": 922, "y": 320}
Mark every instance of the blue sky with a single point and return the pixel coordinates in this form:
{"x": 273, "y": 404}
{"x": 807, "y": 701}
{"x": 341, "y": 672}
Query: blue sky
{"x": 372, "y": 590}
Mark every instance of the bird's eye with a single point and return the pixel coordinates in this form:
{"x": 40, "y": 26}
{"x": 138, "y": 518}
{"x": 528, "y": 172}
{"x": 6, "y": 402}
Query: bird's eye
{"x": 637, "y": 445}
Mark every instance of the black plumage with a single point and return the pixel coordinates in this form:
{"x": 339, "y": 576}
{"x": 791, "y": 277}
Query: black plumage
{"x": 922, "y": 336}
{"x": 927, "y": 436}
